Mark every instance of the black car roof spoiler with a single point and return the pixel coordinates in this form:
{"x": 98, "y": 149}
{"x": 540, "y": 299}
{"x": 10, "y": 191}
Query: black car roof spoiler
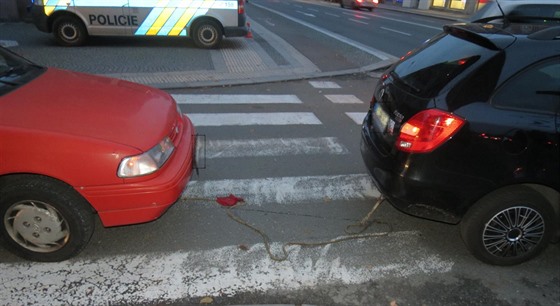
{"x": 471, "y": 32}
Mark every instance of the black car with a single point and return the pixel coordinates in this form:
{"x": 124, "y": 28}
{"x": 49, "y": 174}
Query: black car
{"x": 466, "y": 129}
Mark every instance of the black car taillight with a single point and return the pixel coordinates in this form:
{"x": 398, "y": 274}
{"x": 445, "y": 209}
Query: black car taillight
{"x": 427, "y": 130}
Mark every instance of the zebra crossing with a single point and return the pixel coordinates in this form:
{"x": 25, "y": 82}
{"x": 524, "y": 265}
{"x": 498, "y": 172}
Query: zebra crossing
{"x": 236, "y": 266}
{"x": 283, "y": 190}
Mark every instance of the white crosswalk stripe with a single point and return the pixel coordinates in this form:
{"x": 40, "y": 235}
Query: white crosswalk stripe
{"x": 344, "y": 99}
{"x": 241, "y": 119}
{"x": 236, "y": 99}
{"x": 287, "y": 190}
{"x": 324, "y": 84}
{"x": 139, "y": 279}
{"x": 357, "y": 117}
{"x": 273, "y": 147}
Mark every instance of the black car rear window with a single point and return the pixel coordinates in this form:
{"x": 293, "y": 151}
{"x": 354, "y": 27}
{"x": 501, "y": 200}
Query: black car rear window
{"x": 426, "y": 71}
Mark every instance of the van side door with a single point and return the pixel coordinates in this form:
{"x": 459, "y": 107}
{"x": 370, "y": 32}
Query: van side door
{"x": 105, "y": 17}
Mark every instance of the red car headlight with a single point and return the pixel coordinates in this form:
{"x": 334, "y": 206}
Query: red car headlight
{"x": 147, "y": 162}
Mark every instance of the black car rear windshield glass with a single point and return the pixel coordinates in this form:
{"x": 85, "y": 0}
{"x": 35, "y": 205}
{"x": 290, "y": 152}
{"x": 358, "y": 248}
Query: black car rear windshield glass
{"x": 428, "y": 70}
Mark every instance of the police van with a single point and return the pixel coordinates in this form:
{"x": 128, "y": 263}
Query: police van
{"x": 205, "y": 21}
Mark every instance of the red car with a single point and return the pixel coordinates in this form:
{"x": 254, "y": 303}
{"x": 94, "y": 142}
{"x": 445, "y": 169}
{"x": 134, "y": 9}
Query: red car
{"x": 74, "y": 145}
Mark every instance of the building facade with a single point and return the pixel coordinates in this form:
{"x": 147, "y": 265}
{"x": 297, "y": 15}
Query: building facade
{"x": 466, "y": 7}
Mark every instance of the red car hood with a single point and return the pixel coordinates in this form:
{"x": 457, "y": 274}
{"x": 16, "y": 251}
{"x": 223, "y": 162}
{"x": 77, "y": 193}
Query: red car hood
{"x": 85, "y": 105}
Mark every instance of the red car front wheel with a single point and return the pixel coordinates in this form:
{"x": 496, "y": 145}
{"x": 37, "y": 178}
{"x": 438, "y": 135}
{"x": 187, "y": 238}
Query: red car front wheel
{"x": 43, "y": 219}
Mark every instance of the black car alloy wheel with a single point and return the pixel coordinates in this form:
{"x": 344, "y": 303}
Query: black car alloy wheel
{"x": 508, "y": 227}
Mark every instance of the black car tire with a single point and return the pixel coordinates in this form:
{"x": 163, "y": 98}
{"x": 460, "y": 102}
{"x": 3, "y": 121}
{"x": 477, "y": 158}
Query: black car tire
{"x": 43, "y": 219}
{"x": 494, "y": 229}
{"x": 69, "y": 31}
{"x": 207, "y": 34}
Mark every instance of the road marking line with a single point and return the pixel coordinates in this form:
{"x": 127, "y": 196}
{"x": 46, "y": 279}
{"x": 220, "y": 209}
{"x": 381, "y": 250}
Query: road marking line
{"x": 243, "y": 119}
{"x": 358, "y": 21}
{"x": 287, "y": 190}
{"x": 395, "y": 31}
{"x": 236, "y": 99}
{"x": 333, "y": 15}
{"x": 273, "y": 147}
{"x": 357, "y": 117}
{"x": 344, "y": 99}
{"x": 306, "y": 14}
{"x": 356, "y": 15}
{"x": 324, "y": 84}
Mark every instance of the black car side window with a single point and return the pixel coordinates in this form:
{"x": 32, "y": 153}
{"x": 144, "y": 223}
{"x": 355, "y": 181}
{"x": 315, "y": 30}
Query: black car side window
{"x": 534, "y": 89}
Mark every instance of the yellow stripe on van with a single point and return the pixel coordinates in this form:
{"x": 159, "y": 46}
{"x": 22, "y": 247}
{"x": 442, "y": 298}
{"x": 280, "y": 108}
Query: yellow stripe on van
{"x": 160, "y": 21}
{"x": 182, "y": 22}
{"x": 49, "y": 9}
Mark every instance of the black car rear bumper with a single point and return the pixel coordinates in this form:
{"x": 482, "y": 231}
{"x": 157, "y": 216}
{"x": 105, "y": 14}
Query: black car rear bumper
{"x": 415, "y": 184}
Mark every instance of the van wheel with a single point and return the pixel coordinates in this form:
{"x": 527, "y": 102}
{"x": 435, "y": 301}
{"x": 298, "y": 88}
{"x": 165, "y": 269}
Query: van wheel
{"x": 43, "y": 219}
{"x": 508, "y": 227}
{"x": 207, "y": 34}
{"x": 69, "y": 31}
